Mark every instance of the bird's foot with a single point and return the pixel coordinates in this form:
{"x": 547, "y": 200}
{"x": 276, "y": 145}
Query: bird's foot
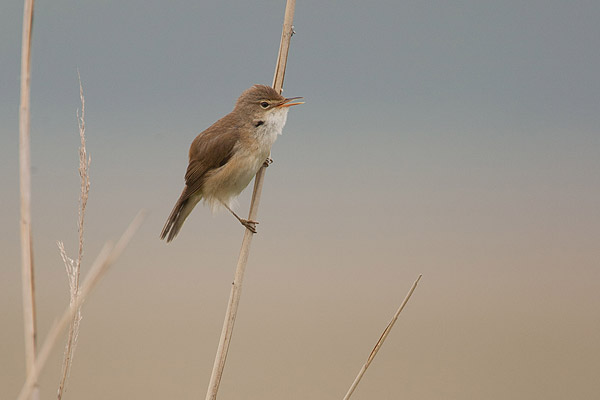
{"x": 268, "y": 162}
{"x": 250, "y": 225}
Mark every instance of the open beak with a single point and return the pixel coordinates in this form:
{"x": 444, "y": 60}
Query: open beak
{"x": 286, "y": 102}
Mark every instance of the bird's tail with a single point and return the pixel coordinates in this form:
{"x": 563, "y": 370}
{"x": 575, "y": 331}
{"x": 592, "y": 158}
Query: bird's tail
{"x": 180, "y": 212}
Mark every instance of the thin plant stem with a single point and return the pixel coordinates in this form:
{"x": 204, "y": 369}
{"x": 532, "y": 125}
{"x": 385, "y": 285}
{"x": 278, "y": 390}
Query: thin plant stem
{"x": 73, "y": 267}
{"x": 379, "y": 343}
{"x": 108, "y": 255}
{"x": 27, "y": 269}
{"x": 236, "y": 289}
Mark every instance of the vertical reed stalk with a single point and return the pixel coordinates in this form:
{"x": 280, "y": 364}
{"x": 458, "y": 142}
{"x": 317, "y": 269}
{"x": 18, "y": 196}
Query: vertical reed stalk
{"x": 236, "y": 289}
{"x": 27, "y": 275}
{"x": 73, "y": 267}
{"x": 379, "y": 343}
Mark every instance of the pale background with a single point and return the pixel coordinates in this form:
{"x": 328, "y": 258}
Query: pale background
{"x": 458, "y": 139}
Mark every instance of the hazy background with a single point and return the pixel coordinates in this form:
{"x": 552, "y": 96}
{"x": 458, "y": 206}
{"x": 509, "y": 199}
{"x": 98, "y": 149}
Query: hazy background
{"x": 458, "y": 139}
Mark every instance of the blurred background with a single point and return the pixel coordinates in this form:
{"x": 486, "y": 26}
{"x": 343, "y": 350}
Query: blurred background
{"x": 458, "y": 139}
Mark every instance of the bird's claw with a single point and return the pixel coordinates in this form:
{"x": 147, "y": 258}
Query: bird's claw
{"x": 268, "y": 162}
{"x": 250, "y": 225}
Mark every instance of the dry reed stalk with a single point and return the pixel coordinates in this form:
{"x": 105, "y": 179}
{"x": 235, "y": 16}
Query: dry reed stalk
{"x": 108, "y": 255}
{"x": 27, "y": 270}
{"x": 379, "y": 343}
{"x": 73, "y": 267}
{"x": 236, "y": 288}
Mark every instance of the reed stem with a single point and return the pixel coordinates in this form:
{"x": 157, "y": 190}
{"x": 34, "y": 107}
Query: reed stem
{"x": 27, "y": 270}
{"x": 379, "y": 343}
{"x": 236, "y": 288}
{"x": 108, "y": 255}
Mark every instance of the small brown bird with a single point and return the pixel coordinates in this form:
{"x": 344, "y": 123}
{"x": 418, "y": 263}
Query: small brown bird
{"x": 226, "y": 156}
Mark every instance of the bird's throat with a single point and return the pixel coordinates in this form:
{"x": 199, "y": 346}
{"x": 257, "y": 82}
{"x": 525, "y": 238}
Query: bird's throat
{"x": 273, "y": 123}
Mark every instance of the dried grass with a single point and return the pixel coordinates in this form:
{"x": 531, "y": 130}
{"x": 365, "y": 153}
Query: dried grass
{"x": 379, "y": 343}
{"x": 108, "y": 255}
{"x": 27, "y": 269}
{"x": 73, "y": 267}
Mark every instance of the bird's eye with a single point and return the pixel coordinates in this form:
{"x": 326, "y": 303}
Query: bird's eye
{"x": 264, "y": 104}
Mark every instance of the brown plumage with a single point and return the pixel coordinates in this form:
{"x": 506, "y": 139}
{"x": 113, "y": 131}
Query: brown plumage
{"x": 224, "y": 158}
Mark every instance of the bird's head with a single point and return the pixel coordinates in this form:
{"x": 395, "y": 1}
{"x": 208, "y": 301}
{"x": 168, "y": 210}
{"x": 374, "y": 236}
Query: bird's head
{"x": 262, "y": 103}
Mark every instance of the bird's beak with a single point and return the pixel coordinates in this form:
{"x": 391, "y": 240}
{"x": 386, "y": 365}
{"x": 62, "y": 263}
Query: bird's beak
{"x": 286, "y": 102}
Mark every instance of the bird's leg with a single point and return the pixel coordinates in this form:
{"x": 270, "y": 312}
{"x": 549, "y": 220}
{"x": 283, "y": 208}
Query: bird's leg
{"x": 268, "y": 162}
{"x": 250, "y": 225}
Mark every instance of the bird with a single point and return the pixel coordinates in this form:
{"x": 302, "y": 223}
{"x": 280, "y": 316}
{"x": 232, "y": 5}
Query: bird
{"x": 225, "y": 157}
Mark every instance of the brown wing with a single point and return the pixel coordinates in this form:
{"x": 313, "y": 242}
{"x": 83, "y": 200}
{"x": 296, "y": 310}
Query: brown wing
{"x": 210, "y": 150}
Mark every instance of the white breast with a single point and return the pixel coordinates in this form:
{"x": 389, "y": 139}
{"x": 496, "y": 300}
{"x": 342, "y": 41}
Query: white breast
{"x": 227, "y": 182}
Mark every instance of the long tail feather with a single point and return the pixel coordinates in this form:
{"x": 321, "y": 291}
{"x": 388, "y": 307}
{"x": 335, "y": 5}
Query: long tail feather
{"x": 180, "y": 212}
